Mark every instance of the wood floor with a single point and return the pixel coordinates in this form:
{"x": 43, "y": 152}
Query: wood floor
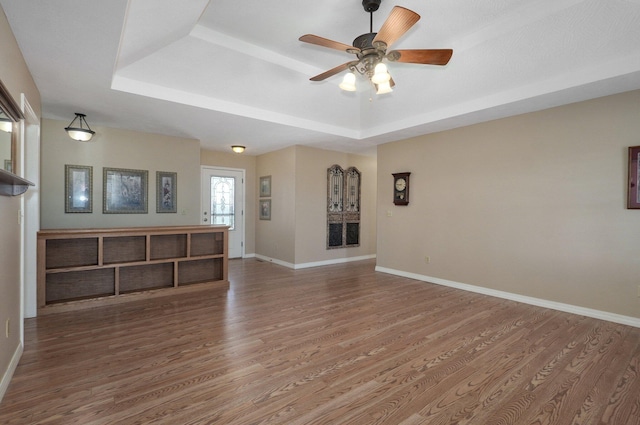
{"x": 329, "y": 345}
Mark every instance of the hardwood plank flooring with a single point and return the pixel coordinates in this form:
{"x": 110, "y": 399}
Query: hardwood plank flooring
{"x": 330, "y": 345}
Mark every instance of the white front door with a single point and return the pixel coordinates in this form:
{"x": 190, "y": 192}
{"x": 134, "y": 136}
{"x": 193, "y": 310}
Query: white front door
{"x": 223, "y": 203}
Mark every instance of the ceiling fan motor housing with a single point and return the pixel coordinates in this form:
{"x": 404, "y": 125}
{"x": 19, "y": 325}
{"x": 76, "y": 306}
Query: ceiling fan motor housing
{"x": 364, "y": 41}
{"x": 371, "y": 5}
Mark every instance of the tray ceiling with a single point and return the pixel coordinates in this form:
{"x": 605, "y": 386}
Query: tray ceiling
{"x": 228, "y": 72}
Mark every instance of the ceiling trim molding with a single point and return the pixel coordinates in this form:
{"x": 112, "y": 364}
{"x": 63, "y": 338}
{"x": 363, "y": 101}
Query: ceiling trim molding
{"x": 192, "y": 99}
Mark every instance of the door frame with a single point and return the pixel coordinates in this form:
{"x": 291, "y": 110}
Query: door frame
{"x": 29, "y": 211}
{"x": 211, "y": 169}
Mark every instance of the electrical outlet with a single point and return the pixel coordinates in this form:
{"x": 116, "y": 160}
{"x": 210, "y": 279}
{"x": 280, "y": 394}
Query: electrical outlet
{"x": 7, "y": 327}
{"x": 389, "y": 213}
{"x": 427, "y": 259}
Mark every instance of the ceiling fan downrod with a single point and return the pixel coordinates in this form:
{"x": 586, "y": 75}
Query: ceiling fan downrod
{"x": 371, "y": 6}
{"x": 369, "y": 56}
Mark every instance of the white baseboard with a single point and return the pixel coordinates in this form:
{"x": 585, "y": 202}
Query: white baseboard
{"x": 567, "y": 308}
{"x": 275, "y": 261}
{"x": 8, "y": 374}
{"x": 334, "y": 261}
{"x": 249, "y": 255}
{"x": 315, "y": 263}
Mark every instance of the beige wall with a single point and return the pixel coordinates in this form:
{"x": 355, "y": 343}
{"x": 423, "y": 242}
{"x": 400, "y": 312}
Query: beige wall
{"x": 115, "y": 148}
{"x": 531, "y": 205}
{"x": 275, "y": 238}
{"x": 296, "y": 233}
{"x": 311, "y": 204}
{"x": 247, "y": 163}
{"x": 16, "y": 77}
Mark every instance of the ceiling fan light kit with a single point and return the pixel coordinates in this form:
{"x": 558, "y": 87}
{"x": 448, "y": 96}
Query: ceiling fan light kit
{"x": 371, "y": 49}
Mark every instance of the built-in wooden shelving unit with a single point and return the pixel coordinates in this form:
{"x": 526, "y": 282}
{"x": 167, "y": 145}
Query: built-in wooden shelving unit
{"x": 83, "y": 267}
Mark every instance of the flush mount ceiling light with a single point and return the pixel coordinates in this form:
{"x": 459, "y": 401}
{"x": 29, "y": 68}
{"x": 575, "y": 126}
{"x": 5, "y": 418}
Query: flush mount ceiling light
{"x": 371, "y": 50}
{"x": 237, "y": 148}
{"x": 80, "y": 133}
{"x": 5, "y": 123}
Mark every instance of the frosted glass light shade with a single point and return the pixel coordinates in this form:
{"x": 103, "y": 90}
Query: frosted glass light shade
{"x": 80, "y": 134}
{"x": 348, "y": 82}
{"x": 380, "y": 74}
{"x": 384, "y": 88}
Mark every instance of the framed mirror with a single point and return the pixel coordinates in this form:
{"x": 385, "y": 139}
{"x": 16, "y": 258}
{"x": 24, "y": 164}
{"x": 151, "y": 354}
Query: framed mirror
{"x": 9, "y": 115}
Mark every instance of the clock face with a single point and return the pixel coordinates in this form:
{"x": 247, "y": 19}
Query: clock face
{"x": 401, "y": 184}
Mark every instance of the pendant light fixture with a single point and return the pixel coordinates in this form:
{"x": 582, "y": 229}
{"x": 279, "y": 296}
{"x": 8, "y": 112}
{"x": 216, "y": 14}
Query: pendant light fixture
{"x": 80, "y": 133}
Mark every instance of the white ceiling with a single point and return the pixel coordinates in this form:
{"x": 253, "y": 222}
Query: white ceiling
{"x": 233, "y": 72}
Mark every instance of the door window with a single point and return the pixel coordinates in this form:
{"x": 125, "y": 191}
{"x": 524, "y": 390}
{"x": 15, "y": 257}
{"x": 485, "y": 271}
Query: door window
{"x": 222, "y": 201}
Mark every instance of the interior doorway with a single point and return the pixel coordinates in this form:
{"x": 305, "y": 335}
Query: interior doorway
{"x": 223, "y": 203}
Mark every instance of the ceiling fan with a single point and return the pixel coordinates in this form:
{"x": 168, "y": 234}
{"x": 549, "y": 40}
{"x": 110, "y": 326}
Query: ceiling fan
{"x": 371, "y": 49}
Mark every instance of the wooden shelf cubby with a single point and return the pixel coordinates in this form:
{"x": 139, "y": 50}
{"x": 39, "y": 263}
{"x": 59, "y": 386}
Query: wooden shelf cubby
{"x": 76, "y": 266}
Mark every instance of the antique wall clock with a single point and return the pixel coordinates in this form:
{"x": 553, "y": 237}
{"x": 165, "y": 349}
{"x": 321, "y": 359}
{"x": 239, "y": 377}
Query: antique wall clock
{"x": 401, "y": 188}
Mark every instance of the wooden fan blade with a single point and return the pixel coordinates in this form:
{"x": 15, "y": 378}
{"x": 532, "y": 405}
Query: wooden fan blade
{"x": 325, "y": 42}
{"x": 423, "y": 56}
{"x": 332, "y": 71}
{"x": 400, "y": 20}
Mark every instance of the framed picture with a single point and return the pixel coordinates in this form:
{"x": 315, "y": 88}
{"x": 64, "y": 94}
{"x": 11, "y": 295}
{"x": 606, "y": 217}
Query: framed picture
{"x": 265, "y": 186}
{"x": 78, "y": 189}
{"x": 633, "y": 200}
{"x": 166, "y": 192}
{"x": 124, "y": 191}
{"x": 265, "y": 209}
{"x": 8, "y": 166}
